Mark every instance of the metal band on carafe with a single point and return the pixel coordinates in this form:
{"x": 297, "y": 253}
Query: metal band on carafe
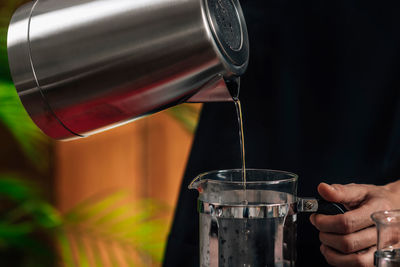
{"x": 247, "y": 211}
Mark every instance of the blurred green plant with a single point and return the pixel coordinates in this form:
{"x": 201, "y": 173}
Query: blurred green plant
{"x": 187, "y": 115}
{"x": 12, "y": 114}
{"x": 31, "y": 140}
{"x": 102, "y": 231}
{"x": 26, "y": 224}
{"x": 27, "y": 221}
{"x": 114, "y": 230}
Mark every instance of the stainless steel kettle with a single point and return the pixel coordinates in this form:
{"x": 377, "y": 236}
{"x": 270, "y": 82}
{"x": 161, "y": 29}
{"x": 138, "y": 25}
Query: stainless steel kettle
{"x": 83, "y": 66}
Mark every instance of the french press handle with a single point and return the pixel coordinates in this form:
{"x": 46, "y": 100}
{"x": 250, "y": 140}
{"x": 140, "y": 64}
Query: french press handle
{"x": 320, "y": 206}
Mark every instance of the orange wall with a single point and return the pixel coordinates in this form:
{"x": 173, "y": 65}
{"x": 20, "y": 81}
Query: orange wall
{"x": 147, "y": 156}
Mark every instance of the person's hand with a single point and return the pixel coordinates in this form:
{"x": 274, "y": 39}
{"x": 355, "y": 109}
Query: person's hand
{"x": 349, "y": 239}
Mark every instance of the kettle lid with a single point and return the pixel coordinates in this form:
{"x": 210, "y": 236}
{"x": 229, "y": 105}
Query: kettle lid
{"x": 229, "y": 31}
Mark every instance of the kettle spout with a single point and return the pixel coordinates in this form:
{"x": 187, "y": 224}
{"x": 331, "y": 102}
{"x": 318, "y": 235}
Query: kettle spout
{"x": 217, "y": 90}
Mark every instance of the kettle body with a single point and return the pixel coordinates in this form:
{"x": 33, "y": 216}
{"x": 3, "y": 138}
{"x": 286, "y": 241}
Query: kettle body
{"x": 84, "y": 66}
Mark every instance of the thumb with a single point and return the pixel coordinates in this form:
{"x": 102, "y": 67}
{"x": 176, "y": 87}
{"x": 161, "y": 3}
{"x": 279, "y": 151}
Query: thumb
{"x": 344, "y": 194}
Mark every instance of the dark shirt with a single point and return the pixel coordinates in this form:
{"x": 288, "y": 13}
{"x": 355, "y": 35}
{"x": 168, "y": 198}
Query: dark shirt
{"x": 320, "y": 98}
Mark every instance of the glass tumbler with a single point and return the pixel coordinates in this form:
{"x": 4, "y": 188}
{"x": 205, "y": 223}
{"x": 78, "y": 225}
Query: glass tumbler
{"x": 388, "y": 242}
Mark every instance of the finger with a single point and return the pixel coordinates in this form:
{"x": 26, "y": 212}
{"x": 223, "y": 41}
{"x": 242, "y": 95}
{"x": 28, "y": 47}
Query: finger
{"x": 334, "y": 258}
{"x": 347, "y": 223}
{"x": 352, "y": 194}
{"x": 350, "y": 243}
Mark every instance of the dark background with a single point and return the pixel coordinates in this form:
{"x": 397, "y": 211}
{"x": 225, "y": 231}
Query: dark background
{"x": 320, "y": 99}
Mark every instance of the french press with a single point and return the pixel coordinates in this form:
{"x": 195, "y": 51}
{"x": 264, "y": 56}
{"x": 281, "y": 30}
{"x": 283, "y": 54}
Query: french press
{"x": 251, "y": 225}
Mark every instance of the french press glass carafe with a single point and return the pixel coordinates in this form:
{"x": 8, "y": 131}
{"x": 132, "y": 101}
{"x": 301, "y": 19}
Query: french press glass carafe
{"x": 253, "y": 225}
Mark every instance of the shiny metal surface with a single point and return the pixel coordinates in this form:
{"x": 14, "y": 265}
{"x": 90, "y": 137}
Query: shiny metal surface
{"x": 82, "y": 66}
{"x": 257, "y": 211}
{"x": 307, "y": 204}
{"x": 247, "y": 211}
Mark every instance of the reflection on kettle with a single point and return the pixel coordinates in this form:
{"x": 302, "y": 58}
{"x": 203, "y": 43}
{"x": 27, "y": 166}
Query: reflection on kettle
{"x": 83, "y": 66}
